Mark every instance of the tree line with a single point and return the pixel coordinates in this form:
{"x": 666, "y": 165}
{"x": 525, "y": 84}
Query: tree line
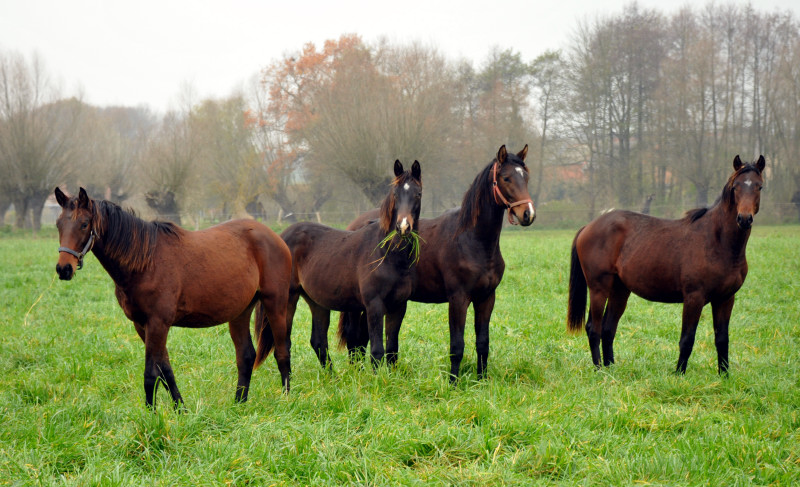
{"x": 640, "y": 106}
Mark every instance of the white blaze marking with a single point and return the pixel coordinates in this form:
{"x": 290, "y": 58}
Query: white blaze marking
{"x": 530, "y": 207}
{"x": 520, "y": 171}
{"x": 406, "y": 187}
{"x": 404, "y": 224}
{"x": 748, "y": 182}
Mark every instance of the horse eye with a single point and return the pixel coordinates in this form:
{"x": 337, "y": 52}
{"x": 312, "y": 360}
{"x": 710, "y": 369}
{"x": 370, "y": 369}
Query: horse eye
{"x": 506, "y": 179}
{"x": 84, "y": 225}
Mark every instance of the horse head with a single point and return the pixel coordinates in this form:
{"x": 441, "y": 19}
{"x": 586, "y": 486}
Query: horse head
{"x": 510, "y": 186}
{"x": 402, "y": 206}
{"x": 76, "y": 231}
{"x": 744, "y": 190}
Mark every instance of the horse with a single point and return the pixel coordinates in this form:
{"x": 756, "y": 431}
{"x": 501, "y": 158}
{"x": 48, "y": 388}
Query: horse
{"x": 460, "y": 260}
{"x": 166, "y": 276}
{"x": 369, "y": 269}
{"x": 695, "y": 260}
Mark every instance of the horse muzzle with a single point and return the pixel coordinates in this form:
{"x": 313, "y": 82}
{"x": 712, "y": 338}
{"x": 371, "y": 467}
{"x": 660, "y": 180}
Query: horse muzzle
{"x": 744, "y": 220}
{"x": 525, "y": 214}
{"x": 404, "y": 226}
{"x": 65, "y": 272}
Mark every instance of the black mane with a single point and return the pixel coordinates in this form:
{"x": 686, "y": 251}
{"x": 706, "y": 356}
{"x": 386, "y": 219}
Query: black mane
{"x": 127, "y": 239}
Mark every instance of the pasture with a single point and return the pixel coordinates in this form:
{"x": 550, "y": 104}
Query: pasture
{"x": 72, "y": 408}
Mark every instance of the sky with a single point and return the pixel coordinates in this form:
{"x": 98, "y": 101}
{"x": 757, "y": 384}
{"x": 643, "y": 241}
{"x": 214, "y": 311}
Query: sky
{"x": 146, "y": 52}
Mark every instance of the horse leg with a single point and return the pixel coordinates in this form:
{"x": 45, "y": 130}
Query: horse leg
{"x": 594, "y": 325}
{"x": 273, "y": 304}
{"x": 692, "y": 308}
{"x": 457, "y": 317}
{"x": 617, "y": 302}
{"x": 483, "y": 313}
{"x": 239, "y": 328}
{"x": 376, "y": 310}
{"x": 291, "y": 308}
{"x": 722, "y": 315}
{"x": 358, "y": 337}
{"x": 320, "y": 322}
{"x": 393, "y": 322}
{"x": 156, "y": 365}
{"x": 140, "y": 331}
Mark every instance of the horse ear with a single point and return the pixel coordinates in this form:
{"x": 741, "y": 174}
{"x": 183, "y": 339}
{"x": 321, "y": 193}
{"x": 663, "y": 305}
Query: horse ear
{"x": 502, "y": 154}
{"x": 83, "y": 199}
{"x": 416, "y": 171}
{"x": 398, "y": 168}
{"x": 737, "y": 163}
{"x": 524, "y": 152}
{"x": 61, "y": 198}
{"x": 761, "y": 164}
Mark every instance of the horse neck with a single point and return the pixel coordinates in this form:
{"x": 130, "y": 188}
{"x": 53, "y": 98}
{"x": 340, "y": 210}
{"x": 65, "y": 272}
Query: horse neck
{"x": 108, "y": 247}
{"x": 119, "y": 274}
{"x": 489, "y": 224}
{"x": 731, "y": 238}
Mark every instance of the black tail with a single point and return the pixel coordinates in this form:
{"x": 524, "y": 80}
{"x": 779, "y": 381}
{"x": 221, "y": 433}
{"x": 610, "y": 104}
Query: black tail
{"x": 348, "y": 331}
{"x": 576, "y": 306}
{"x": 264, "y": 336}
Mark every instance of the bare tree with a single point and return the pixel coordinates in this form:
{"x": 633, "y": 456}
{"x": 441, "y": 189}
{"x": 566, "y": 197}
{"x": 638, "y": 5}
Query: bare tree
{"x": 37, "y": 136}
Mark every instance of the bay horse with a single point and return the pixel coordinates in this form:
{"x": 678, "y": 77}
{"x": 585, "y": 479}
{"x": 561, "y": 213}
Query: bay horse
{"x": 359, "y": 270}
{"x": 460, "y": 260}
{"x": 695, "y": 260}
{"x": 166, "y": 276}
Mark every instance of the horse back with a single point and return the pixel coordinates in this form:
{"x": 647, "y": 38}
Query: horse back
{"x": 208, "y": 277}
{"x": 657, "y": 259}
{"x": 329, "y": 265}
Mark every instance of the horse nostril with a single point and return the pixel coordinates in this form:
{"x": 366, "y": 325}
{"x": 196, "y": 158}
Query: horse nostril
{"x": 744, "y": 221}
{"x": 65, "y": 272}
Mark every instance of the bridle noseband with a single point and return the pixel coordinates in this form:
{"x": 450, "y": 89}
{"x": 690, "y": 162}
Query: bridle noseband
{"x": 82, "y": 253}
{"x": 497, "y": 193}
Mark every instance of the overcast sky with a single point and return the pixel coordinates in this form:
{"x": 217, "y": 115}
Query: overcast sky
{"x": 142, "y": 52}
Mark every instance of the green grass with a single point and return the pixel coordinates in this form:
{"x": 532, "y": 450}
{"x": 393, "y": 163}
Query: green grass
{"x": 72, "y": 403}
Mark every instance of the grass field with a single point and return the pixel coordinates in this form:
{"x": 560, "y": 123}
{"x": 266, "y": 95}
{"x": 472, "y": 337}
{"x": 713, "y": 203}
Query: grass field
{"x": 73, "y": 413}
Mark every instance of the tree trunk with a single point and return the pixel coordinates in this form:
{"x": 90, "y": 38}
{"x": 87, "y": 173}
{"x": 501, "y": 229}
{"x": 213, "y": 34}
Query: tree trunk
{"x": 20, "y": 211}
{"x": 36, "y": 204}
{"x": 165, "y": 205}
{"x": 5, "y": 204}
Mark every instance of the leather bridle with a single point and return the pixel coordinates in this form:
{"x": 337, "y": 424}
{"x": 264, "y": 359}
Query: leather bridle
{"x": 499, "y": 194}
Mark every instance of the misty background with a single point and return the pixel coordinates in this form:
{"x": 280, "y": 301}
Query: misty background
{"x": 640, "y": 108}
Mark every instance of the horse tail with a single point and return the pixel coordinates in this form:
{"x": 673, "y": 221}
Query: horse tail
{"x": 576, "y": 306}
{"x": 348, "y": 323}
{"x": 264, "y": 337}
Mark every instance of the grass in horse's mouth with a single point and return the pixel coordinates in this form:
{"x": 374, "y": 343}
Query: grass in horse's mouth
{"x": 410, "y": 241}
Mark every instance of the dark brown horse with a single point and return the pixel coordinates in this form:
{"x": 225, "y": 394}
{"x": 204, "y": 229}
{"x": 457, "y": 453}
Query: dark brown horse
{"x": 696, "y": 260}
{"x": 166, "y": 276}
{"x": 460, "y": 261}
{"x": 350, "y": 271}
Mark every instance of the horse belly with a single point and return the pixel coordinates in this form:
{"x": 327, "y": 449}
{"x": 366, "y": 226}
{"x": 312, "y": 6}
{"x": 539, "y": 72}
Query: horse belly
{"x": 653, "y": 282}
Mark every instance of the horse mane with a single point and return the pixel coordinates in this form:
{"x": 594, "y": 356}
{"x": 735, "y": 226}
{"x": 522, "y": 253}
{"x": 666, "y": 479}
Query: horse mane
{"x": 478, "y": 194}
{"x": 127, "y": 239}
{"x": 387, "y": 206}
{"x": 725, "y": 198}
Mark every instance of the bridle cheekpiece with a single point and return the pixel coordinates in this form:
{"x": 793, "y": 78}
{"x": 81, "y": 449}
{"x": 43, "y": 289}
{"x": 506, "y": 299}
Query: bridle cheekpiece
{"x": 86, "y": 249}
{"x": 499, "y": 194}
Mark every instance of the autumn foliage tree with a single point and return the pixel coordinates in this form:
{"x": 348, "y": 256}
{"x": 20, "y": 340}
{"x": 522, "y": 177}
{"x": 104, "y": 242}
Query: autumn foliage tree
{"x": 352, "y": 109}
